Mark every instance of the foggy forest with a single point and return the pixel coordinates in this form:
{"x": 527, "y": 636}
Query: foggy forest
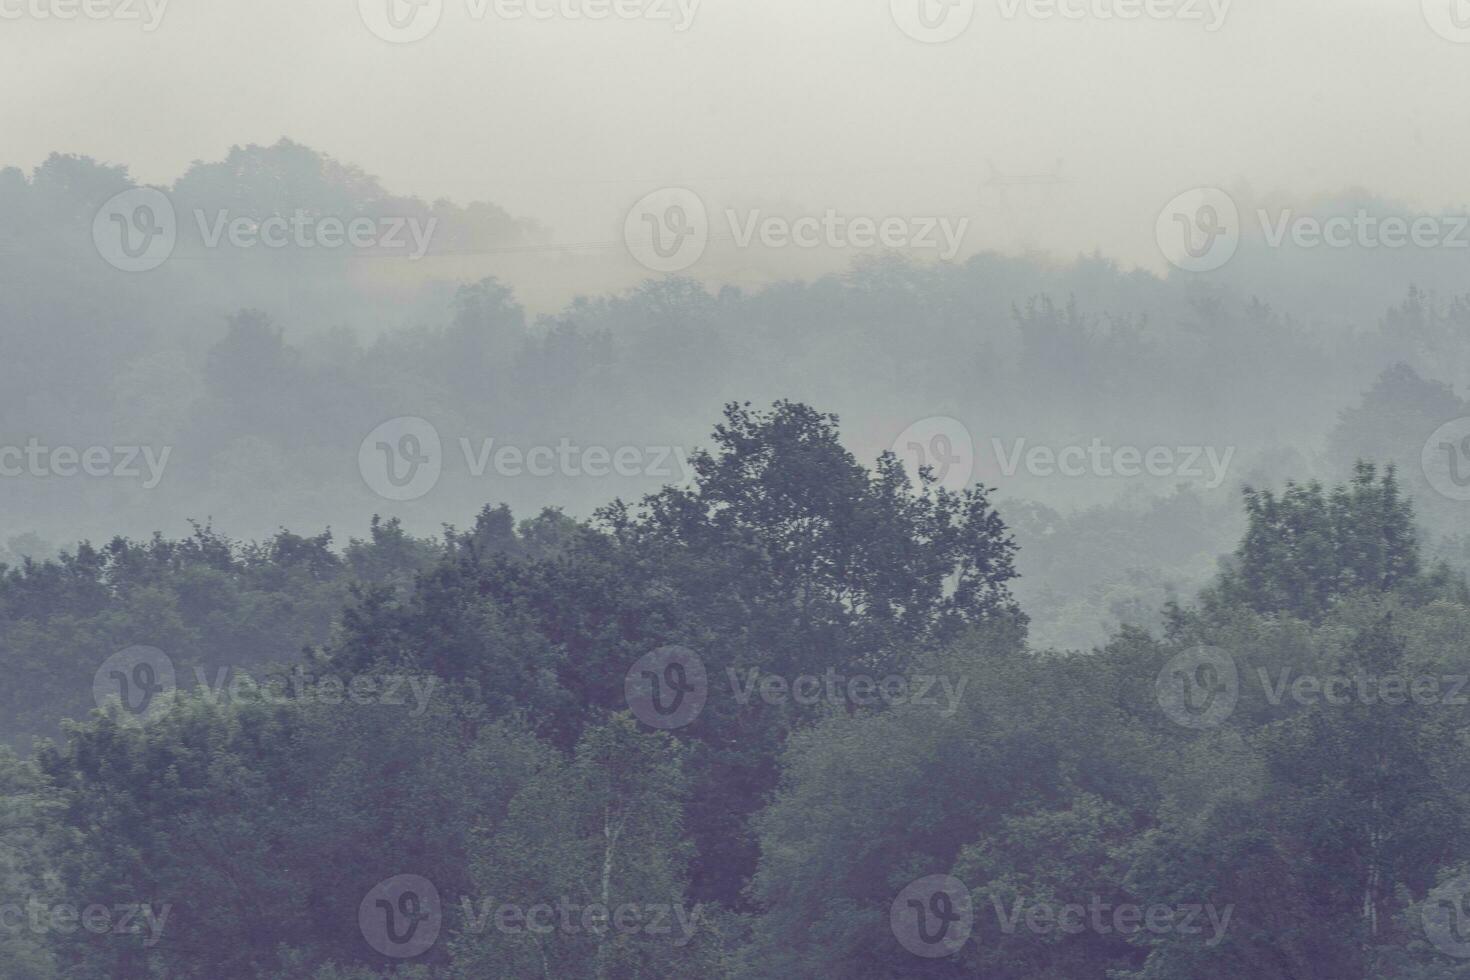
{"x": 628, "y": 489}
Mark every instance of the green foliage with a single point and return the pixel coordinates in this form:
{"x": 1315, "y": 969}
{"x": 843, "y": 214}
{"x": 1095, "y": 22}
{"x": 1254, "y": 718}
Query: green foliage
{"x": 1308, "y": 547}
{"x": 763, "y": 840}
{"x": 209, "y": 603}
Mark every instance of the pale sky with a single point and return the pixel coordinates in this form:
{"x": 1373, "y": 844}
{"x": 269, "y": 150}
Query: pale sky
{"x": 817, "y": 103}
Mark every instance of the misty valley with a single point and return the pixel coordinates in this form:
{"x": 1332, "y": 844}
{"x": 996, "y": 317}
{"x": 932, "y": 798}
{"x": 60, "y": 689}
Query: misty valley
{"x": 631, "y": 490}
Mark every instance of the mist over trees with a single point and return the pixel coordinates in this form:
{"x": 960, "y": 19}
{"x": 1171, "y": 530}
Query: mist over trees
{"x": 438, "y": 622}
{"x": 259, "y": 372}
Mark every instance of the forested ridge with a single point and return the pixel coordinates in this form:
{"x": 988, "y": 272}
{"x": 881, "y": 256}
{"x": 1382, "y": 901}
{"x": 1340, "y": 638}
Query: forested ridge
{"x": 519, "y": 805}
{"x": 243, "y": 380}
{"x": 745, "y": 490}
{"x": 1009, "y": 617}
